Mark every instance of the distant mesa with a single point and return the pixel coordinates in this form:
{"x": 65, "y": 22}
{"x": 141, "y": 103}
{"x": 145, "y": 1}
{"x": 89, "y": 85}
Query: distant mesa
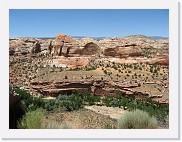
{"x": 121, "y": 47}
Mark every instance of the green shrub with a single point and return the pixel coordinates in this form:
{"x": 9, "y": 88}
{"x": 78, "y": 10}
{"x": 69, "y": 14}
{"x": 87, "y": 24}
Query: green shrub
{"x": 50, "y": 105}
{"x": 29, "y": 102}
{"x": 105, "y": 71}
{"x": 31, "y": 120}
{"x": 139, "y": 84}
{"x": 72, "y": 102}
{"x": 124, "y": 102}
{"x": 137, "y": 119}
{"x": 115, "y": 103}
{"x": 76, "y": 101}
{"x": 62, "y": 97}
{"x": 90, "y": 99}
{"x": 107, "y": 101}
{"x": 67, "y": 102}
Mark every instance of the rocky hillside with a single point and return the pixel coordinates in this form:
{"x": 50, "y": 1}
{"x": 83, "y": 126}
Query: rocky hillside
{"x": 123, "y": 47}
{"x": 102, "y": 67}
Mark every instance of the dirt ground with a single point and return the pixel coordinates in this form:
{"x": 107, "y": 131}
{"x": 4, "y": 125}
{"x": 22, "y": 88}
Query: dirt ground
{"x": 89, "y": 117}
{"x": 82, "y": 119}
{"x": 112, "y": 112}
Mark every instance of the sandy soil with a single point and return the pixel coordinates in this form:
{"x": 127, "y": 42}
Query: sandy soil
{"x": 112, "y": 112}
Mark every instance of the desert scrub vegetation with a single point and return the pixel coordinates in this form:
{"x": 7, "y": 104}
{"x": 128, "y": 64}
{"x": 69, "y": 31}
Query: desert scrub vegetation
{"x": 31, "y": 120}
{"x": 77, "y": 100}
{"x": 71, "y": 102}
{"x": 137, "y": 119}
{"x": 153, "y": 108}
{"x": 28, "y": 101}
{"x": 67, "y": 102}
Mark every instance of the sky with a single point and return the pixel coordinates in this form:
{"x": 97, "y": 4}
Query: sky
{"x": 88, "y": 22}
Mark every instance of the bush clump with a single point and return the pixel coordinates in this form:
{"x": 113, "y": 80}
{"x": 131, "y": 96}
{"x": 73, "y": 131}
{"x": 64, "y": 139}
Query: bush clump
{"x": 136, "y": 119}
{"x": 28, "y": 101}
{"x": 31, "y": 120}
{"x": 71, "y": 102}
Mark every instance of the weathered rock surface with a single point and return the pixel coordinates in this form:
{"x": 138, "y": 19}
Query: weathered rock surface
{"x": 95, "y": 87}
{"x": 91, "y": 49}
{"x": 131, "y": 50}
{"x": 62, "y": 37}
{"x": 120, "y": 47}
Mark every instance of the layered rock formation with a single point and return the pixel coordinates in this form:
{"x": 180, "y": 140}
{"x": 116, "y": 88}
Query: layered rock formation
{"x": 123, "y": 47}
{"x": 95, "y": 87}
{"x": 125, "y": 51}
{"x": 110, "y": 52}
{"x": 23, "y": 46}
{"x": 91, "y": 49}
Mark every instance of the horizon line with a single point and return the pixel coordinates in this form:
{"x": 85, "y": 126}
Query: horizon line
{"x": 155, "y": 36}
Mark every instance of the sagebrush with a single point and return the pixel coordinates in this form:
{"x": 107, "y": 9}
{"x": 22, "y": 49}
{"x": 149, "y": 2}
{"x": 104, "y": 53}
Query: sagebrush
{"x": 137, "y": 119}
{"x": 31, "y": 120}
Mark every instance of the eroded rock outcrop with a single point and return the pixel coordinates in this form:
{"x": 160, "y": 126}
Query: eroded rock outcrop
{"x": 91, "y": 49}
{"x": 110, "y": 52}
{"x": 129, "y": 51}
{"x": 95, "y": 87}
{"x": 121, "y": 47}
{"x": 36, "y": 48}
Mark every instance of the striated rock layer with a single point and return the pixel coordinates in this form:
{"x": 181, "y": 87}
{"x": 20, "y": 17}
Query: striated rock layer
{"x": 95, "y": 87}
{"x": 121, "y": 47}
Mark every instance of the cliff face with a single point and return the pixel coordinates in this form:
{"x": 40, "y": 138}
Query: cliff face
{"x": 95, "y": 87}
